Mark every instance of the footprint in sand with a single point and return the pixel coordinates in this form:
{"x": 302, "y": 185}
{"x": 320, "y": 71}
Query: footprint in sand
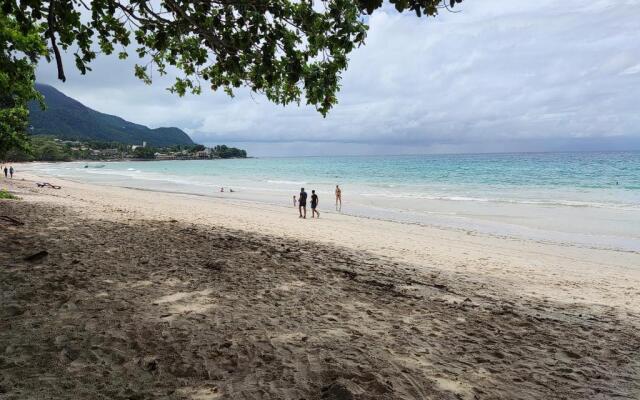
{"x": 190, "y": 393}
{"x": 186, "y": 302}
{"x": 460, "y": 389}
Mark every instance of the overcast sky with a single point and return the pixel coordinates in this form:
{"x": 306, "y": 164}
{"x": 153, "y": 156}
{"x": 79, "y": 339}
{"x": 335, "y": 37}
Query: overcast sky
{"x": 526, "y": 75}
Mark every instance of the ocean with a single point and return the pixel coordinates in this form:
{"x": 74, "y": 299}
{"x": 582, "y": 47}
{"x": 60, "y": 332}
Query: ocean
{"x": 582, "y": 199}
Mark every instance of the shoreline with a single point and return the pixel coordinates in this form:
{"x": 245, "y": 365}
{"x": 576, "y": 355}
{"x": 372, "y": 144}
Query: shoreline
{"x": 608, "y": 226}
{"x": 462, "y": 230}
{"x": 110, "y": 160}
{"x": 561, "y": 272}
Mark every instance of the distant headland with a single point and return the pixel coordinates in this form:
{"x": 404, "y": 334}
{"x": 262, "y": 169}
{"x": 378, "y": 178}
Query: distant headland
{"x": 49, "y": 148}
{"x": 67, "y": 130}
{"x": 68, "y": 119}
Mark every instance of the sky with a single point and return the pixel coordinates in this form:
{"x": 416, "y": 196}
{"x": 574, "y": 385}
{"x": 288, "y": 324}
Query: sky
{"x": 498, "y": 76}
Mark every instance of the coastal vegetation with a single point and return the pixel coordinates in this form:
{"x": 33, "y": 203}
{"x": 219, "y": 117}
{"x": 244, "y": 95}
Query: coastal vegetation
{"x": 49, "y": 148}
{"x": 229, "y": 152}
{"x": 5, "y": 195}
{"x": 20, "y": 48}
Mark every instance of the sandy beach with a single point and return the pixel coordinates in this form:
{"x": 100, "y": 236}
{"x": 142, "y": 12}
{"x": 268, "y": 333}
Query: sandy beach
{"x": 146, "y": 295}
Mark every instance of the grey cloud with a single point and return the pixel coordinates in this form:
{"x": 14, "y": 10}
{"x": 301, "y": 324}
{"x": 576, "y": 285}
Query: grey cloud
{"x": 497, "y": 76}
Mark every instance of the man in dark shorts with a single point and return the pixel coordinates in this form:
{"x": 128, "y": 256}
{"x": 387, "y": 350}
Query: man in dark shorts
{"x": 314, "y": 204}
{"x": 302, "y": 203}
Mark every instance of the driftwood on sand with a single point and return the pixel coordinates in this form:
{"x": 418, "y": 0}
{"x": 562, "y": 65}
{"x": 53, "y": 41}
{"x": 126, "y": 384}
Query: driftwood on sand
{"x": 47, "y": 184}
{"x": 11, "y": 220}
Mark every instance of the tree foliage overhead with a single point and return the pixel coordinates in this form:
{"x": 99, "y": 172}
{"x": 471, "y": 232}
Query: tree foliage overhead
{"x": 287, "y": 49}
{"x": 290, "y": 50}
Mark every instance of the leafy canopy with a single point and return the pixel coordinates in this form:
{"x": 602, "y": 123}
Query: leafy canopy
{"x": 286, "y": 49}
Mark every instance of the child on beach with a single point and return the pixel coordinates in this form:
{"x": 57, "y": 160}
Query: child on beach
{"x": 294, "y": 200}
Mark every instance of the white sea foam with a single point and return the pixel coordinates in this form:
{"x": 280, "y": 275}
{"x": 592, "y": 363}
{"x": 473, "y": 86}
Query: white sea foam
{"x": 540, "y": 202}
{"x": 286, "y": 182}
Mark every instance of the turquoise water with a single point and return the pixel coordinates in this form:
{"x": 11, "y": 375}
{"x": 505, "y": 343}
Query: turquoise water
{"x": 519, "y": 192}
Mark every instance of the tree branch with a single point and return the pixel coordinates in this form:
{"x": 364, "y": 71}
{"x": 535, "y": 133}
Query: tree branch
{"x": 54, "y": 45}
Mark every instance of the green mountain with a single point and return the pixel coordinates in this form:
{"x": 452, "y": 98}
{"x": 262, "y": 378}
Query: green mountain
{"x": 67, "y": 118}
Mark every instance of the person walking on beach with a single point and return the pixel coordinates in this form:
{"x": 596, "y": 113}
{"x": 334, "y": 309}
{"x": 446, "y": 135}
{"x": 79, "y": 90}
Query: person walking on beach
{"x": 338, "y": 198}
{"x": 11, "y": 172}
{"x": 295, "y": 202}
{"x": 302, "y": 203}
{"x": 6, "y": 171}
{"x": 314, "y": 204}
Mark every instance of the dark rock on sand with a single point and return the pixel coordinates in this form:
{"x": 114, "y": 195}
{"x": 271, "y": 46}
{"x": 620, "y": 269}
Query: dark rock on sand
{"x": 12, "y": 310}
{"x": 216, "y": 265}
{"x": 336, "y": 391}
{"x": 149, "y": 364}
{"x": 37, "y": 256}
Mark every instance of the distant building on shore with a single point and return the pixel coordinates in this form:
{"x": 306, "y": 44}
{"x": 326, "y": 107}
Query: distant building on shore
{"x": 161, "y": 156}
{"x": 135, "y": 146}
{"x": 106, "y": 153}
{"x": 206, "y": 153}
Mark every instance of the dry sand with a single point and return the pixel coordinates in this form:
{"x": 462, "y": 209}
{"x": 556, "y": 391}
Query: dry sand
{"x": 145, "y": 295}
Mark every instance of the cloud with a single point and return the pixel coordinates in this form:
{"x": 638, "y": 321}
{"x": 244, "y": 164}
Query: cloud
{"x": 496, "y": 76}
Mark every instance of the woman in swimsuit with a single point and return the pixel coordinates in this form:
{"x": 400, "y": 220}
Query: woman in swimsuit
{"x": 338, "y": 198}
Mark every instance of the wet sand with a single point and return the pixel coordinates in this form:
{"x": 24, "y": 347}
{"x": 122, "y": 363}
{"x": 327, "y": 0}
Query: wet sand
{"x": 143, "y": 295}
